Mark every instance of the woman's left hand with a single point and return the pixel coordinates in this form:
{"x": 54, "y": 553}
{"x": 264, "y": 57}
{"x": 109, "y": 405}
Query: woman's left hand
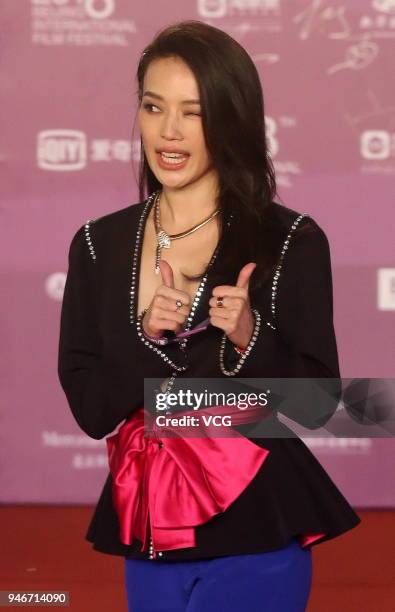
{"x": 236, "y": 318}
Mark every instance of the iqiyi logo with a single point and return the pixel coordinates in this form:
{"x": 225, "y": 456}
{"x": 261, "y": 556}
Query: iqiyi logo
{"x": 61, "y": 150}
{"x": 97, "y": 9}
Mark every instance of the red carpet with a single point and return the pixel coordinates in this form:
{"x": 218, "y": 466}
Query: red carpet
{"x": 43, "y": 548}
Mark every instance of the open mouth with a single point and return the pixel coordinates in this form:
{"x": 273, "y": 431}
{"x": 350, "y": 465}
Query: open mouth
{"x": 171, "y": 160}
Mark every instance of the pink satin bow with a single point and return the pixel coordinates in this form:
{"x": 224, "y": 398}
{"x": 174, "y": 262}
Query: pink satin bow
{"x": 178, "y": 483}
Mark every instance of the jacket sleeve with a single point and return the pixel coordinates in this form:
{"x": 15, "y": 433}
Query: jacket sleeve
{"x": 302, "y": 342}
{"x": 99, "y": 387}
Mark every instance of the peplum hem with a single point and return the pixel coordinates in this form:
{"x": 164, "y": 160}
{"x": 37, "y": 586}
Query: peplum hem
{"x": 290, "y": 496}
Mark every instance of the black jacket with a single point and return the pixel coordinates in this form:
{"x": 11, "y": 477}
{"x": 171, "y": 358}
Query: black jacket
{"x": 103, "y": 363}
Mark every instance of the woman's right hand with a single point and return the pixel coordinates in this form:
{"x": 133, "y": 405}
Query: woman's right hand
{"x": 162, "y": 313}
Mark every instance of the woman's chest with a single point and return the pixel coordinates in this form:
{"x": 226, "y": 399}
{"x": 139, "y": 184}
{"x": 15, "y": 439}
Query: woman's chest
{"x": 187, "y": 260}
{"x": 150, "y": 282}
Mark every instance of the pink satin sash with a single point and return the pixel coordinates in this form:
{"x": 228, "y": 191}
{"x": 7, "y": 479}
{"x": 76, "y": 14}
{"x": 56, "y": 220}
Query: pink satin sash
{"x": 177, "y": 483}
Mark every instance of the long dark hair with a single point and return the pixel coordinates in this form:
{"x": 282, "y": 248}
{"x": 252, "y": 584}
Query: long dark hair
{"x": 233, "y": 122}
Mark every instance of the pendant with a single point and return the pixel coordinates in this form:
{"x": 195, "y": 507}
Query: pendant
{"x": 163, "y": 240}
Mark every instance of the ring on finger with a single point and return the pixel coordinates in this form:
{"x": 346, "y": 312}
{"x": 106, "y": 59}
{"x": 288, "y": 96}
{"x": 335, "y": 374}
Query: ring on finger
{"x": 178, "y": 304}
{"x": 220, "y": 302}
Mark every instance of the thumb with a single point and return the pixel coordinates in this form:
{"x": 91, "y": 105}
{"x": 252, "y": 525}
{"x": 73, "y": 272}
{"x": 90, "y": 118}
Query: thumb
{"x": 243, "y": 279}
{"x": 167, "y": 273}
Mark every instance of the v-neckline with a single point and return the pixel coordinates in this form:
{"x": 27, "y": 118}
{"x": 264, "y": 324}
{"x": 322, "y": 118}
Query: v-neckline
{"x": 197, "y": 301}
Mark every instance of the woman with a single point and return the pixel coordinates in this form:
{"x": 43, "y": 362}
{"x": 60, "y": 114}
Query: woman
{"x": 208, "y": 243}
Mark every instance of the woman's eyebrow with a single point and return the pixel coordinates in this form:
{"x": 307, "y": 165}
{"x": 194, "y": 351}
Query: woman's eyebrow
{"x": 158, "y": 97}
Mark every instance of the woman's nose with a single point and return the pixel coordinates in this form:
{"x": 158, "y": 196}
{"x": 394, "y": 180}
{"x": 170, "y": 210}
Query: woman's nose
{"x": 170, "y": 127}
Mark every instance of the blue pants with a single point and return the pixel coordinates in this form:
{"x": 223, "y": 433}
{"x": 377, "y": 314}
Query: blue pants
{"x": 276, "y": 581}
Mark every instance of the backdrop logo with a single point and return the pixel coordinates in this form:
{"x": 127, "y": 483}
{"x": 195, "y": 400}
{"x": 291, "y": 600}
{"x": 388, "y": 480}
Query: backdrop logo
{"x": 80, "y": 23}
{"x": 225, "y": 8}
{"x": 54, "y": 285}
{"x": 212, "y": 8}
{"x": 386, "y": 288}
{"x": 376, "y": 144}
{"x": 278, "y": 129}
{"x": 385, "y": 6}
{"x": 61, "y": 150}
{"x": 271, "y": 135}
{"x": 381, "y": 20}
{"x": 97, "y": 9}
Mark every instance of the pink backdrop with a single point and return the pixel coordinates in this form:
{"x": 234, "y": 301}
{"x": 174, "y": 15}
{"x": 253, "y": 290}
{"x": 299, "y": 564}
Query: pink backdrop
{"x": 68, "y": 153}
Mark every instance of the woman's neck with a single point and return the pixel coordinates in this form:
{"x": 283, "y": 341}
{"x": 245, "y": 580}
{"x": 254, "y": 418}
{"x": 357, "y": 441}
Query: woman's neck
{"x": 181, "y": 209}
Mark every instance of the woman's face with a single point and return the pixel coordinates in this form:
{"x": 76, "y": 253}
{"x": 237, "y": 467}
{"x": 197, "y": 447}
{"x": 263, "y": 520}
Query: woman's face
{"x": 170, "y": 121}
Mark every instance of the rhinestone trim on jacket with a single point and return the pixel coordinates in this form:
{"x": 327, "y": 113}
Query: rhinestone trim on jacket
{"x": 247, "y": 351}
{"x": 279, "y": 265}
{"x": 89, "y": 240}
{"x": 255, "y": 333}
{"x": 135, "y": 317}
